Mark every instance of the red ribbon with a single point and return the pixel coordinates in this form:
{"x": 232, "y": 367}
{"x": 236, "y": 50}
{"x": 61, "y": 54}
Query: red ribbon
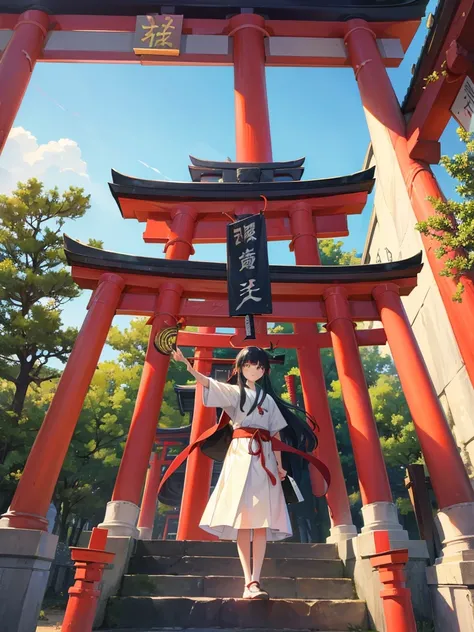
{"x": 256, "y": 434}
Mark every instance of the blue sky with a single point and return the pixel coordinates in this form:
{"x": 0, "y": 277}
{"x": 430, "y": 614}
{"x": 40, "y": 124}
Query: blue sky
{"x": 127, "y": 117}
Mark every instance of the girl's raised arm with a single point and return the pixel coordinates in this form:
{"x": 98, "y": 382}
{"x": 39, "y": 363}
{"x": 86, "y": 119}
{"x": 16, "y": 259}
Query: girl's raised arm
{"x": 200, "y": 378}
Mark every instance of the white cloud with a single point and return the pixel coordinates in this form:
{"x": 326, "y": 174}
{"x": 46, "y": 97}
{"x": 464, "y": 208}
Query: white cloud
{"x": 56, "y": 163}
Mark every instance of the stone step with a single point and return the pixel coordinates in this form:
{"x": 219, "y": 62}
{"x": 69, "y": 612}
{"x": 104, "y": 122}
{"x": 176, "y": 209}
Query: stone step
{"x": 230, "y": 567}
{"x": 196, "y": 586}
{"x": 228, "y": 549}
{"x": 359, "y": 629}
{"x": 276, "y": 614}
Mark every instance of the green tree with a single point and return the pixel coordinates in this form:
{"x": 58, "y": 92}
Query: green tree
{"x": 452, "y": 224}
{"x": 34, "y": 286}
{"x": 332, "y": 254}
{"x": 131, "y": 344}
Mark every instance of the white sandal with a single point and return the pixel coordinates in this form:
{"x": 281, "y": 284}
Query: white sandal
{"x": 253, "y": 591}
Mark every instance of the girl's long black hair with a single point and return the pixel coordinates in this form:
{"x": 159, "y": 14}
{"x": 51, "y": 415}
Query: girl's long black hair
{"x": 300, "y": 432}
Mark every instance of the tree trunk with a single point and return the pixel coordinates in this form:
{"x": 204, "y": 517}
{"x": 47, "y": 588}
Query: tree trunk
{"x": 63, "y": 525}
{"x": 22, "y": 383}
{"x": 21, "y": 388}
{"x": 77, "y": 532}
{"x": 57, "y": 520}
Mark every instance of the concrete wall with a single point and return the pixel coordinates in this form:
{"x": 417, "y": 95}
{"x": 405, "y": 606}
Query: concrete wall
{"x": 392, "y": 236}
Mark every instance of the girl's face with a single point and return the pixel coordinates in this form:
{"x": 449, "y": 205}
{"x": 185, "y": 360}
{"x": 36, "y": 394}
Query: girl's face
{"x": 252, "y": 372}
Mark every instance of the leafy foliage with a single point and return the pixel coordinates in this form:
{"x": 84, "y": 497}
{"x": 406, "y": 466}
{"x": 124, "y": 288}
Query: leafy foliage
{"x": 131, "y": 345}
{"x": 452, "y": 224}
{"x": 332, "y": 254}
{"x": 34, "y": 286}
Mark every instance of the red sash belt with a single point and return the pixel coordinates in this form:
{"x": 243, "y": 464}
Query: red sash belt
{"x": 257, "y": 435}
{"x": 254, "y": 434}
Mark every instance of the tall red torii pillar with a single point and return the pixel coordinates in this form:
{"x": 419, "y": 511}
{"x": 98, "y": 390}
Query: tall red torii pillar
{"x": 17, "y": 63}
{"x": 388, "y": 133}
{"x": 197, "y": 479}
{"x": 148, "y": 505}
{"x": 122, "y": 511}
{"x": 253, "y": 144}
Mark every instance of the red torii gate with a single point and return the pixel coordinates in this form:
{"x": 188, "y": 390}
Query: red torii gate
{"x": 379, "y": 285}
{"x": 166, "y": 438}
{"x": 369, "y": 46}
{"x": 300, "y": 36}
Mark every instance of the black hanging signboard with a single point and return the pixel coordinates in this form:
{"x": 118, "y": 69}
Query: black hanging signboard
{"x": 248, "y": 277}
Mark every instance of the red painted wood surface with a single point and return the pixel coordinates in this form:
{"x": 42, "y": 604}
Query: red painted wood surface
{"x": 17, "y": 63}
{"x": 83, "y": 596}
{"x": 371, "y": 471}
{"x": 88, "y": 278}
{"x": 379, "y": 99}
{"x": 341, "y": 204}
{"x": 212, "y": 229}
{"x": 439, "y": 449}
{"x": 141, "y": 436}
{"x": 148, "y": 506}
{"x": 396, "y": 597}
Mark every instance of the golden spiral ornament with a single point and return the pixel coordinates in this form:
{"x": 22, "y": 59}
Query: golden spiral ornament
{"x": 165, "y": 340}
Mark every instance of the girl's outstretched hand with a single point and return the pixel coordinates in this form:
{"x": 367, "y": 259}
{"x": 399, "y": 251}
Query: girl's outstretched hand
{"x": 179, "y": 357}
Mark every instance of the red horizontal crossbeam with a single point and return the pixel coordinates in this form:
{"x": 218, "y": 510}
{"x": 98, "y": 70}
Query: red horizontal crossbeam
{"x": 160, "y": 210}
{"x": 365, "y": 337}
{"x": 210, "y": 289}
{"x": 199, "y": 313}
{"x": 85, "y": 50}
{"x": 117, "y": 57}
{"x": 213, "y": 231}
{"x": 404, "y": 31}
{"x": 432, "y": 112}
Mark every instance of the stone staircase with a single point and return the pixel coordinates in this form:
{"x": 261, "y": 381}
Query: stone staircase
{"x": 198, "y": 585}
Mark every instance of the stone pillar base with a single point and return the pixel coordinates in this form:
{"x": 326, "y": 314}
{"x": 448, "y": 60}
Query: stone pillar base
{"x": 341, "y": 532}
{"x": 381, "y": 516}
{"x": 146, "y": 533}
{"x": 451, "y": 578}
{"x": 121, "y": 519}
{"x": 25, "y": 562}
{"x": 455, "y": 526}
{"x": 451, "y": 584}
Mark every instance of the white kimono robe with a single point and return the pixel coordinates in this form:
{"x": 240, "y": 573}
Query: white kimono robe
{"x": 244, "y": 497}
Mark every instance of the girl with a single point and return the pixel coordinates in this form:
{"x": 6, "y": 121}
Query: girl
{"x": 247, "y": 503}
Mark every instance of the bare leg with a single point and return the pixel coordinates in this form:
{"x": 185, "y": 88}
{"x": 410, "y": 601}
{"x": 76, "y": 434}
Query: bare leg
{"x": 243, "y": 547}
{"x": 259, "y": 547}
